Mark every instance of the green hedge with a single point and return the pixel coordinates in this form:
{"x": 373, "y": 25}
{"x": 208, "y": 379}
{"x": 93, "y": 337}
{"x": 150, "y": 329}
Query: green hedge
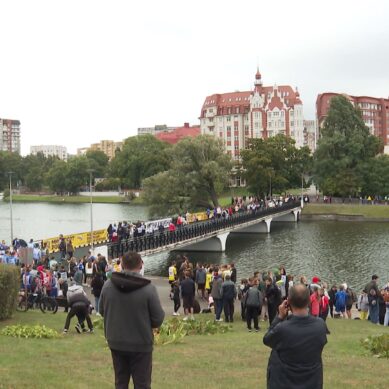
{"x": 9, "y": 289}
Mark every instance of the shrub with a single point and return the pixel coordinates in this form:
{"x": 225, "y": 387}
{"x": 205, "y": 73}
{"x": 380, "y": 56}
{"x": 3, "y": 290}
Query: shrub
{"x": 28, "y": 331}
{"x": 378, "y": 345}
{"x": 9, "y": 289}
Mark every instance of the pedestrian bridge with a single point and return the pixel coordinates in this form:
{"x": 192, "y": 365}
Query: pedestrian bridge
{"x": 209, "y": 235}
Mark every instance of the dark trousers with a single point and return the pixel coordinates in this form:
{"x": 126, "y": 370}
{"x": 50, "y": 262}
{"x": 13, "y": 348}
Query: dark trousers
{"x": 218, "y": 307}
{"x": 228, "y": 305}
{"x": 177, "y": 304}
{"x": 252, "y": 313}
{"x": 80, "y": 311}
{"x": 331, "y": 309}
{"x": 272, "y": 310}
{"x": 132, "y": 364}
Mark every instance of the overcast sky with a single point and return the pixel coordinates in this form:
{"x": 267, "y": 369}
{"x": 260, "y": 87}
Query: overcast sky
{"x": 78, "y": 71}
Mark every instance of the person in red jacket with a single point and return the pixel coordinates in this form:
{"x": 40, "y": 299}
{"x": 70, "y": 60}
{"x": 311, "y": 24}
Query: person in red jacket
{"x": 315, "y": 302}
{"x": 324, "y": 304}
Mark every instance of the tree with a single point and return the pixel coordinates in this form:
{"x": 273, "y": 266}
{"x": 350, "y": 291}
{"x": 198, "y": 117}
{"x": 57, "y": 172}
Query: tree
{"x": 56, "y": 177}
{"x": 375, "y": 176}
{"x": 345, "y": 145}
{"x": 98, "y": 161}
{"x": 10, "y": 162}
{"x": 142, "y": 156}
{"x": 275, "y": 160}
{"x": 199, "y": 173}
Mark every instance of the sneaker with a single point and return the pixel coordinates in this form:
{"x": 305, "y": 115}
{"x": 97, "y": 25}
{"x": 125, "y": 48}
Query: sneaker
{"x": 257, "y": 330}
{"x": 175, "y": 314}
{"x": 91, "y": 331}
{"x": 250, "y": 330}
{"x": 65, "y": 332}
{"x": 185, "y": 318}
{"x": 78, "y": 328}
{"x": 192, "y": 318}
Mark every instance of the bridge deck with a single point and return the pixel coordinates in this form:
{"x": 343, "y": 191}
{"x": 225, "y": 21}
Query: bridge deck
{"x": 196, "y": 232}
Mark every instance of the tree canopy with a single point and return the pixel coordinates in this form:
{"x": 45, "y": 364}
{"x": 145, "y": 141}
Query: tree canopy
{"x": 198, "y": 173}
{"x": 142, "y": 156}
{"x": 275, "y": 160}
{"x": 343, "y": 149}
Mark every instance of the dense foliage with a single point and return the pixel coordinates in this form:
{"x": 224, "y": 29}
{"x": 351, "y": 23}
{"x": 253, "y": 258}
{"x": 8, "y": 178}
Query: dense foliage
{"x": 198, "y": 173}
{"x": 274, "y": 161}
{"x": 29, "y": 331}
{"x": 345, "y": 153}
{"x": 378, "y": 345}
{"x": 9, "y": 289}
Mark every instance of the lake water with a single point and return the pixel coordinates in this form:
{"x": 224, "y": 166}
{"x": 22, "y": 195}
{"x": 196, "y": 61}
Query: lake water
{"x": 336, "y": 251}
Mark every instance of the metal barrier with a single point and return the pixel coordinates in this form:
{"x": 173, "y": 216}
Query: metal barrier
{"x": 164, "y": 238}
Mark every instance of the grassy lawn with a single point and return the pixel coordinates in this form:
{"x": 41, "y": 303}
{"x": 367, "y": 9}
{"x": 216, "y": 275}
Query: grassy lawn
{"x": 237, "y": 359}
{"x": 371, "y": 211}
{"x": 69, "y": 199}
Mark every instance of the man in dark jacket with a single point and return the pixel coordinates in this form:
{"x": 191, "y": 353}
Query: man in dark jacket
{"x": 228, "y": 295}
{"x": 131, "y": 309}
{"x": 188, "y": 290}
{"x": 273, "y": 298}
{"x": 297, "y": 344}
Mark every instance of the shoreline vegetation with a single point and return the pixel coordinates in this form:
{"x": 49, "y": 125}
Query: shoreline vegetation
{"x": 311, "y": 211}
{"x": 244, "y": 358}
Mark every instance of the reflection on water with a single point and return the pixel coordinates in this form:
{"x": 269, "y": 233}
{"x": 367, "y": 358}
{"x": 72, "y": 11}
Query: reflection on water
{"x": 336, "y": 251}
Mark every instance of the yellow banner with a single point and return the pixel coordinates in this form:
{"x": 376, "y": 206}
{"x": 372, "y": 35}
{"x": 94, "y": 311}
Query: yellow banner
{"x": 199, "y": 216}
{"x": 78, "y": 240}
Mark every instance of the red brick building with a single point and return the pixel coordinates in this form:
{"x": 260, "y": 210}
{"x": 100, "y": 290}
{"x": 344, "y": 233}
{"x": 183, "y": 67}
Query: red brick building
{"x": 375, "y": 112}
{"x": 179, "y": 133}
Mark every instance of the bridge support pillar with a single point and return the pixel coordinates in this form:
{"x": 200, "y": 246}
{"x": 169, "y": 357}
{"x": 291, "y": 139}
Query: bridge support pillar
{"x": 261, "y": 227}
{"x": 296, "y": 214}
{"x": 223, "y": 239}
{"x": 268, "y": 224}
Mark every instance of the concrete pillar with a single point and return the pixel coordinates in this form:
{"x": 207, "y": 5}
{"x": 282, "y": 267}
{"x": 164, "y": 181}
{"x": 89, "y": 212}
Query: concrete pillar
{"x": 223, "y": 239}
{"x": 296, "y": 214}
{"x": 268, "y": 224}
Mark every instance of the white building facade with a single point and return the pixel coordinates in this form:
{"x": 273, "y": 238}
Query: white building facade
{"x": 50, "y": 150}
{"x": 261, "y": 113}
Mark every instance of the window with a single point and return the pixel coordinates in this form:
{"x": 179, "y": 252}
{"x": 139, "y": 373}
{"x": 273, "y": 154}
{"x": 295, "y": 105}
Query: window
{"x": 235, "y": 116}
{"x": 256, "y": 115}
{"x": 228, "y": 128}
{"x": 256, "y": 125}
{"x": 237, "y": 109}
{"x": 228, "y": 118}
{"x": 236, "y": 128}
{"x": 211, "y": 110}
{"x": 236, "y": 138}
{"x": 246, "y": 127}
{"x": 282, "y": 114}
{"x": 276, "y": 113}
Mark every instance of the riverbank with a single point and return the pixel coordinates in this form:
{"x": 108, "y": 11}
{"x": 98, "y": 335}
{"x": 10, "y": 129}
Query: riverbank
{"x": 237, "y": 359}
{"x": 345, "y": 212}
{"x": 69, "y": 199}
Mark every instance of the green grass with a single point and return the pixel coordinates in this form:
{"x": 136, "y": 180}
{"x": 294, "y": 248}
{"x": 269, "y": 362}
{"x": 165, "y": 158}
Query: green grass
{"x": 69, "y": 199}
{"x": 370, "y": 211}
{"x": 237, "y": 359}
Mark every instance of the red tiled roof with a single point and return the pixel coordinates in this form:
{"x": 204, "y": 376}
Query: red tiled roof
{"x": 179, "y": 133}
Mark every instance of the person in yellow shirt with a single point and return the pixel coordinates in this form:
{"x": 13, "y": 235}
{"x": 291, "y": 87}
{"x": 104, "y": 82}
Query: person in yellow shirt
{"x": 172, "y": 272}
{"x": 208, "y": 281}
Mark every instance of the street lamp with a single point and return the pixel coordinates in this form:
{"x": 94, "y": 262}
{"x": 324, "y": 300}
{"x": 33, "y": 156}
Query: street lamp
{"x": 90, "y": 171}
{"x": 10, "y": 205}
{"x": 302, "y": 190}
{"x": 271, "y": 170}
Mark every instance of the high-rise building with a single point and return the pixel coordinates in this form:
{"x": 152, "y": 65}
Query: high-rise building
{"x": 108, "y": 147}
{"x": 375, "y": 113}
{"x": 263, "y": 112}
{"x": 50, "y": 150}
{"x": 10, "y": 135}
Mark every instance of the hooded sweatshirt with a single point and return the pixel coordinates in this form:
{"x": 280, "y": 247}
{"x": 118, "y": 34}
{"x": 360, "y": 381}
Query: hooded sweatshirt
{"x": 131, "y": 309}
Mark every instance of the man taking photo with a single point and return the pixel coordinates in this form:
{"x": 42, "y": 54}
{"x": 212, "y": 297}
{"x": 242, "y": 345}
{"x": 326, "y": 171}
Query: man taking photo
{"x": 131, "y": 309}
{"x": 297, "y": 344}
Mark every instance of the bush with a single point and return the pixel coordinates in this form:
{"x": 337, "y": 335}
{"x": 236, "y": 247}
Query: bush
{"x": 378, "y": 345}
{"x": 9, "y": 289}
{"x": 27, "y": 331}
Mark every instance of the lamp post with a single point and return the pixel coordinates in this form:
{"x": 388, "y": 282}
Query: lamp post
{"x": 271, "y": 170}
{"x": 90, "y": 171}
{"x": 10, "y": 206}
{"x": 302, "y": 190}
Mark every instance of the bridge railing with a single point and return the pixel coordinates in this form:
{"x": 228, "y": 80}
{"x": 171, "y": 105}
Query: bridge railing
{"x": 164, "y": 238}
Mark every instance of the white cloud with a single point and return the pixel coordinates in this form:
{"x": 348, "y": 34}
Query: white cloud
{"x": 76, "y": 72}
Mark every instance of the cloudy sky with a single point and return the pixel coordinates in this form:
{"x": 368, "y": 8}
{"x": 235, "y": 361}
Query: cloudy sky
{"x": 78, "y": 71}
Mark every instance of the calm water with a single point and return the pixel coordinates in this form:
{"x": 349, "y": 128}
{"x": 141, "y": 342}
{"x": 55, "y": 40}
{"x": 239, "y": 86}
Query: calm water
{"x": 336, "y": 251}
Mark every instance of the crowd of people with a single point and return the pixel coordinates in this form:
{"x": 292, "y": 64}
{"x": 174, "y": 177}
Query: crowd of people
{"x": 261, "y": 295}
